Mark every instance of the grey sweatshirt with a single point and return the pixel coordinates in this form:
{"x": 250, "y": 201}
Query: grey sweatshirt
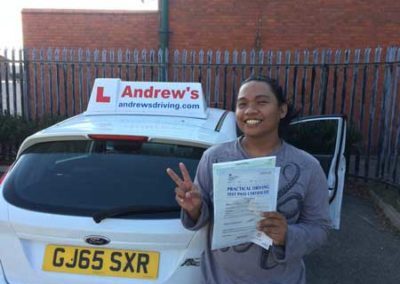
{"x": 302, "y": 198}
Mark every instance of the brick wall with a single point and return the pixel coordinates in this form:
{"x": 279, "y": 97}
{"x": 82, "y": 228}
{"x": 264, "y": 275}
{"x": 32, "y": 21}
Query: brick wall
{"x": 89, "y": 29}
{"x": 272, "y": 24}
{"x": 284, "y": 24}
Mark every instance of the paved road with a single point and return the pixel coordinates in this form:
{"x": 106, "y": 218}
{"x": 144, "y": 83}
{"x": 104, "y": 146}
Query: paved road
{"x": 365, "y": 250}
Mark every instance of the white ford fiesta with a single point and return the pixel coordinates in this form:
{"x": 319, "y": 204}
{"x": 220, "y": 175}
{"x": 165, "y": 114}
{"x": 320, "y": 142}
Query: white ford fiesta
{"x": 88, "y": 199}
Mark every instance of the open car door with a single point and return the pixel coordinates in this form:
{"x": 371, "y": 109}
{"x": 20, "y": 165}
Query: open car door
{"x": 324, "y": 137}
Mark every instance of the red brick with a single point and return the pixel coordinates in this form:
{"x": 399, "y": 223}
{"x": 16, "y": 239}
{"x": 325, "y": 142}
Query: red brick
{"x": 223, "y": 24}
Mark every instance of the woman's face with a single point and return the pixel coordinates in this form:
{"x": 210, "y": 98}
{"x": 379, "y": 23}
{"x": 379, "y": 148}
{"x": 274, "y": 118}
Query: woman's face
{"x": 258, "y": 112}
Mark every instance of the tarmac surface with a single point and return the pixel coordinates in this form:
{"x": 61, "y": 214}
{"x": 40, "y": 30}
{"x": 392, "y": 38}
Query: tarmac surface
{"x": 365, "y": 250}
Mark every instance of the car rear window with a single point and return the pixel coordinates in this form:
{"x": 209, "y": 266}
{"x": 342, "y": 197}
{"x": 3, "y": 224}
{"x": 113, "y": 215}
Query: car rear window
{"x": 85, "y": 177}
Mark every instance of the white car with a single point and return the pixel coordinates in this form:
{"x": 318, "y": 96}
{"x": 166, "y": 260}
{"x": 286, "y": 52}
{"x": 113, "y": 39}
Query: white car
{"x": 88, "y": 199}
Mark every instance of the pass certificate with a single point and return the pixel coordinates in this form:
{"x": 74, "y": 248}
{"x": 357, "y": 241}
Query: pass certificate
{"x": 241, "y": 192}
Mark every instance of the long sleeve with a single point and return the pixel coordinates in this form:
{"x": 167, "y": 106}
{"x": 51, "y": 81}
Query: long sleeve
{"x": 203, "y": 181}
{"x": 311, "y": 229}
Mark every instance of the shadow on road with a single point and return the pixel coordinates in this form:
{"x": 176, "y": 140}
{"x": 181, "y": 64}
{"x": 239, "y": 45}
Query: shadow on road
{"x": 365, "y": 250}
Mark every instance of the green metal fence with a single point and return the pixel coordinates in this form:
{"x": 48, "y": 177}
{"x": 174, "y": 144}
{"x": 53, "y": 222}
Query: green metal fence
{"x": 361, "y": 83}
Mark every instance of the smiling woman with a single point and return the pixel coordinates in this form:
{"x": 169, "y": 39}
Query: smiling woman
{"x": 301, "y": 221}
{"x": 262, "y": 110}
{"x": 259, "y": 112}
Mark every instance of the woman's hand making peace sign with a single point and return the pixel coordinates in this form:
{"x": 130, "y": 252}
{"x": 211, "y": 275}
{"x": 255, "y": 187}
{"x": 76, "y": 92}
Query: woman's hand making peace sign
{"x": 186, "y": 193}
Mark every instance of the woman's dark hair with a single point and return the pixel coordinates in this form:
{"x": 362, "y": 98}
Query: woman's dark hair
{"x": 276, "y": 89}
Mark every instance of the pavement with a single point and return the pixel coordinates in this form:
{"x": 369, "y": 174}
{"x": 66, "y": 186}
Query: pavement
{"x": 365, "y": 250}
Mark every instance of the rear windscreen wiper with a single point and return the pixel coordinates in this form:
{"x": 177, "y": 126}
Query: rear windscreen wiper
{"x": 121, "y": 211}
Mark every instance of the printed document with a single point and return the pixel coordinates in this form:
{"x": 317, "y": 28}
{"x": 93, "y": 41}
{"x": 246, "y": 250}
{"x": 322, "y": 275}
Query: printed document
{"x": 242, "y": 190}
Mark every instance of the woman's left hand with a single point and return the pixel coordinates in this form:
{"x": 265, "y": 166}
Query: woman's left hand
{"x": 274, "y": 225}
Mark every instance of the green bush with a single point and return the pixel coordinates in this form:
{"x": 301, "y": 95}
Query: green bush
{"x": 14, "y": 129}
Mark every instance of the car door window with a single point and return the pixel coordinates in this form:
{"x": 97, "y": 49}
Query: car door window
{"x": 324, "y": 138}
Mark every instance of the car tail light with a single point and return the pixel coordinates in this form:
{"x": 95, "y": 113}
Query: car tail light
{"x": 2, "y": 177}
{"x": 103, "y": 137}
{"x": 5, "y": 173}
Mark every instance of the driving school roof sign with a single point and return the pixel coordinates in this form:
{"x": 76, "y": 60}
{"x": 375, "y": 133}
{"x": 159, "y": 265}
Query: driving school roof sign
{"x": 113, "y": 96}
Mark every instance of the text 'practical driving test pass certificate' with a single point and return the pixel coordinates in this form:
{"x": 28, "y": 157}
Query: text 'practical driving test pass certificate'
{"x": 242, "y": 190}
